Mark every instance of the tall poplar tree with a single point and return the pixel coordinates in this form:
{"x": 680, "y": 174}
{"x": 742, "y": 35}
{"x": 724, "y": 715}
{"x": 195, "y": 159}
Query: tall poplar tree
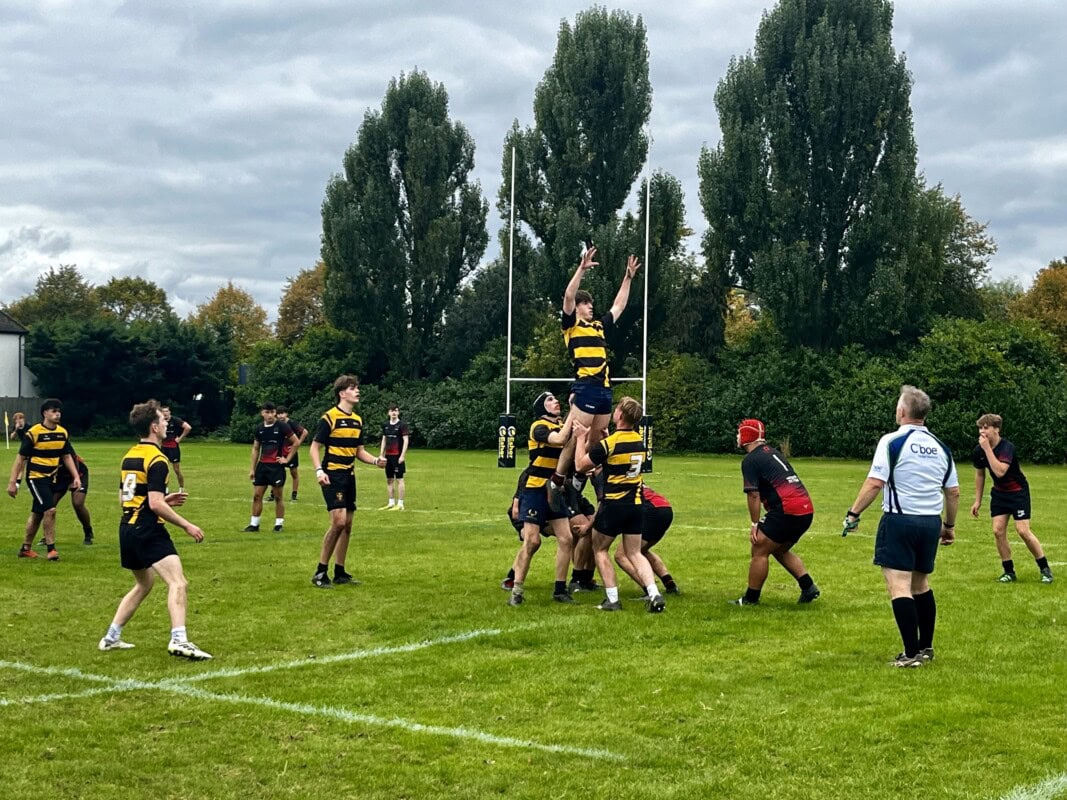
{"x": 402, "y": 226}
{"x": 812, "y": 193}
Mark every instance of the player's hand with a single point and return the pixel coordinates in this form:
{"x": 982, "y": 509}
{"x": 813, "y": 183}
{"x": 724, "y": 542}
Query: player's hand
{"x": 283, "y": 460}
{"x": 401, "y": 461}
{"x": 175, "y": 499}
{"x": 948, "y": 535}
{"x": 974, "y": 509}
{"x": 76, "y": 484}
{"x": 849, "y": 524}
{"x": 13, "y": 489}
{"x": 322, "y": 478}
{"x": 753, "y": 533}
{"x": 581, "y": 430}
{"x": 251, "y": 474}
{"x": 195, "y": 532}
{"x": 587, "y": 259}
{"x": 632, "y": 265}
{"x": 983, "y": 440}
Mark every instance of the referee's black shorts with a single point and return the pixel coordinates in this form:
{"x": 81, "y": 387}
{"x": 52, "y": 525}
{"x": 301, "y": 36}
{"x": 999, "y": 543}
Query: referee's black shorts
{"x": 907, "y": 542}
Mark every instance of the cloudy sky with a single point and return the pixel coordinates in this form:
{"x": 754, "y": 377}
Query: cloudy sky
{"x": 190, "y": 143}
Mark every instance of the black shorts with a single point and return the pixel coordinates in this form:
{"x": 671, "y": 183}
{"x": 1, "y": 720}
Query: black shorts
{"x": 619, "y": 518}
{"x": 785, "y": 528}
{"x": 580, "y": 505}
{"x": 394, "y": 468}
{"x": 341, "y": 492}
{"x": 42, "y": 490}
{"x": 907, "y": 542}
{"x": 61, "y": 485}
{"x": 271, "y": 474}
{"x": 533, "y": 508}
{"x": 1013, "y": 504}
{"x": 140, "y": 548}
{"x": 655, "y": 522}
{"x": 294, "y": 461}
{"x": 173, "y": 454}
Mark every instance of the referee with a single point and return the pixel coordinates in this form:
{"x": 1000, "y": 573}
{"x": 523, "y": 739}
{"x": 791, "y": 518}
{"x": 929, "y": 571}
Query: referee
{"x": 915, "y": 473}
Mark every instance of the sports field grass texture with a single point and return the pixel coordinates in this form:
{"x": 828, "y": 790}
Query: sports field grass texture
{"x": 423, "y": 683}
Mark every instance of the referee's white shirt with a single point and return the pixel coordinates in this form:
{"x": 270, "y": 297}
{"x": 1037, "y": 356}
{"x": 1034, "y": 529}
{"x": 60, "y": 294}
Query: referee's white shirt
{"x": 924, "y": 467}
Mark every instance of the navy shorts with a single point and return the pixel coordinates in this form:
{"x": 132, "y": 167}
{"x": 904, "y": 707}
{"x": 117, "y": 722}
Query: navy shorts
{"x": 270, "y": 474}
{"x": 140, "y": 548}
{"x": 619, "y": 518}
{"x": 394, "y": 468}
{"x": 785, "y": 528}
{"x": 533, "y": 508}
{"x": 907, "y": 542}
{"x": 341, "y": 491}
{"x": 1014, "y": 504}
{"x": 591, "y": 397}
{"x": 655, "y": 523}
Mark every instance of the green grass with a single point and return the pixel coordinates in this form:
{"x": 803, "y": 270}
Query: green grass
{"x": 706, "y": 700}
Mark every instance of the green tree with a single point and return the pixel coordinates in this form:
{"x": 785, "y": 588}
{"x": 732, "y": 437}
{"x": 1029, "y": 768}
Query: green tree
{"x": 234, "y": 315}
{"x": 577, "y": 165}
{"x": 999, "y": 299}
{"x": 1046, "y": 302}
{"x": 60, "y": 292}
{"x": 301, "y": 305}
{"x": 133, "y": 299}
{"x": 403, "y": 226}
{"x": 810, "y": 195}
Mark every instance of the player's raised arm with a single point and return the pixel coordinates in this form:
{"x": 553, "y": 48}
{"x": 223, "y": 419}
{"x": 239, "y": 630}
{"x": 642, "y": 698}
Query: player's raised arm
{"x": 623, "y": 295}
{"x": 569, "y": 293}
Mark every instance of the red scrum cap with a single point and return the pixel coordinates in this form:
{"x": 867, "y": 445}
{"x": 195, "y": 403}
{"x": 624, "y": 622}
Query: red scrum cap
{"x": 751, "y": 430}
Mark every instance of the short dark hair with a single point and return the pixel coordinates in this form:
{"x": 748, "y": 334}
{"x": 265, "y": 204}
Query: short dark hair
{"x": 283, "y": 410}
{"x": 143, "y": 416}
{"x": 344, "y": 382}
{"x": 394, "y": 407}
{"x": 582, "y": 296}
{"x": 991, "y": 421}
{"x": 267, "y": 405}
{"x": 51, "y": 404}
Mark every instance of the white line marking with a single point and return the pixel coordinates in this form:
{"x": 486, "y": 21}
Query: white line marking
{"x": 340, "y": 714}
{"x": 1046, "y": 790}
{"x": 355, "y": 655}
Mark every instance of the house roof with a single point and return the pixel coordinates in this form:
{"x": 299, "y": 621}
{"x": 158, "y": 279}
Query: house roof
{"x": 8, "y": 325}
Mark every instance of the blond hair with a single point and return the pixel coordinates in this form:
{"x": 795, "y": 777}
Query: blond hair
{"x": 990, "y": 421}
{"x": 631, "y": 411}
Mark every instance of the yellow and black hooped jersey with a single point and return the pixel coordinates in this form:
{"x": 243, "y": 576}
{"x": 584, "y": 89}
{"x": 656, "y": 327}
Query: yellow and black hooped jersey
{"x": 622, "y": 455}
{"x": 342, "y": 435}
{"x": 587, "y": 347}
{"x": 543, "y": 456}
{"x": 144, "y": 469}
{"x": 45, "y": 448}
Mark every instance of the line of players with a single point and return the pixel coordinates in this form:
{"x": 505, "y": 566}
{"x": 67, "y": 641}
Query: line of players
{"x": 52, "y": 468}
{"x": 779, "y": 506}
{"x": 276, "y": 448}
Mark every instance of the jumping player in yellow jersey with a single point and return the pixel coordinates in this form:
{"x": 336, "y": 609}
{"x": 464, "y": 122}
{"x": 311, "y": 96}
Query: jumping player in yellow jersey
{"x": 337, "y": 444}
{"x": 144, "y": 544}
{"x": 547, "y": 437}
{"x": 45, "y": 450}
{"x": 621, "y": 454}
{"x": 590, "y": 400}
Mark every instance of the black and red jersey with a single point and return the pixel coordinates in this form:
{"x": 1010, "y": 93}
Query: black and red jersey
{"x": 271, "y": 439}
{"x": 1013, "y": 480}
{"x": 174, "y": 430}
{"x": 298, "y": 431}
{"x": 765, "y": 470}
{"x": 393, "y": 432}
{"x": 654, "y": 499}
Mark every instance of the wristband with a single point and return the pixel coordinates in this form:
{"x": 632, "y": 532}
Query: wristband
{"x": 946, "y": 525}
{"x": 851, "y": 513}
{"x": 319, "y": 469}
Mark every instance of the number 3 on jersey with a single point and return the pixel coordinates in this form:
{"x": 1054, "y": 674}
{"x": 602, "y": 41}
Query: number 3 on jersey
{"x": 635, "y": 465}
